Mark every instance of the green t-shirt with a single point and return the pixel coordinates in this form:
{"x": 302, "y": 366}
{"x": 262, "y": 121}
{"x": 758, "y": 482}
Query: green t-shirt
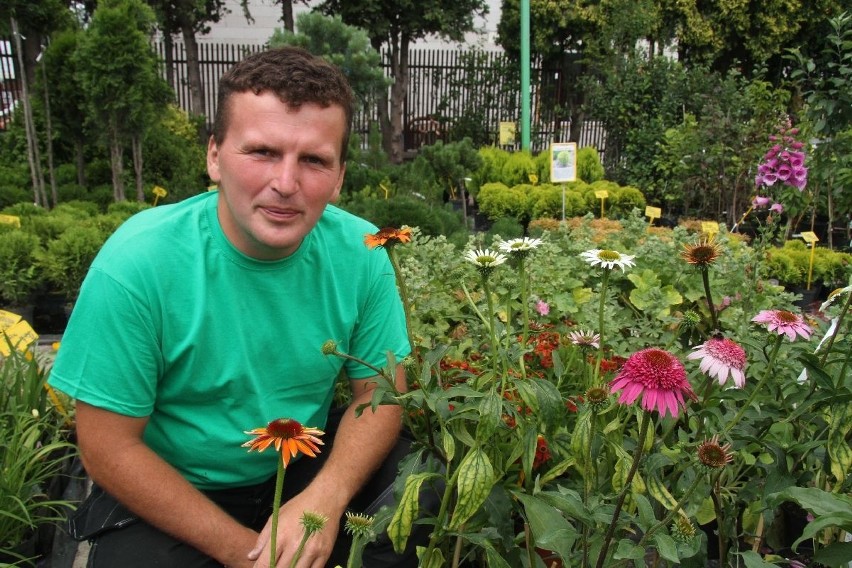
{"x": 174, "y": 323}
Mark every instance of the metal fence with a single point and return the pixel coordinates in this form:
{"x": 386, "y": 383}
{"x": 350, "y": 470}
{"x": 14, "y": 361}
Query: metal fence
{"x": 452, "y": 93}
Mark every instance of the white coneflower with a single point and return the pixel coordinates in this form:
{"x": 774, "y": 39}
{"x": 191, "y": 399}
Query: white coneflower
{"x": 608, "y": 259}
{"x": 485, "y": 260}
{"x": 519, "y": 248}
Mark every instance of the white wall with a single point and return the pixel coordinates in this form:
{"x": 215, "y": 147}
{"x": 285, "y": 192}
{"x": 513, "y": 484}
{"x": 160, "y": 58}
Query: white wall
{"x": 267, "y": 17}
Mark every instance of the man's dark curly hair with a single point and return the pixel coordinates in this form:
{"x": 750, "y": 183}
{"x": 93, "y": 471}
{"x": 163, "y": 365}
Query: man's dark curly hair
{"x": 295, "y": 75}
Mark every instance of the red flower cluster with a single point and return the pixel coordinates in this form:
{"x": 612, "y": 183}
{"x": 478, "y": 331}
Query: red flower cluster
{"x": 542, "y": 452}
{"x": 544, "y": 344}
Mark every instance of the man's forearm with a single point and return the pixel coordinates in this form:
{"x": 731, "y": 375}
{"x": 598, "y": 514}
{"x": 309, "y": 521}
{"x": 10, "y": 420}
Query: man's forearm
{"x": 132, "y": 473}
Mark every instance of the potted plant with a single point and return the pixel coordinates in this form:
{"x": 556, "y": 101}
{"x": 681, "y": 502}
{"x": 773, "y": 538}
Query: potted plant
{"x": 35, "y": 451}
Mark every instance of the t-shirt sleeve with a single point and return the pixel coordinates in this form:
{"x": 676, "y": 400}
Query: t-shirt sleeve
{"x": 381, "y": 327}
{"x": 108, "y": 356}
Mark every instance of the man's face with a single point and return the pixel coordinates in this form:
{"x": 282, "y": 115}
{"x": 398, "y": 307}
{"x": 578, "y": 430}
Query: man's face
{"x": 277, "y": 168}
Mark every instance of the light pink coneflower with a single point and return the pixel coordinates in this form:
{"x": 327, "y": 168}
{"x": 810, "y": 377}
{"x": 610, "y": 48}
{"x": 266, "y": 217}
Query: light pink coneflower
{"x": 783, "y": 322}
{"x": 542, "y": 307}
{"x": 721, "y": 357}
{"x": 585, "y": 339}
{"x": 658, "y": 376}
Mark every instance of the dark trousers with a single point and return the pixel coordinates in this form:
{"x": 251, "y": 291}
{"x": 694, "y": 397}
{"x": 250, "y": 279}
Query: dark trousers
{"x": 136, "y": 544}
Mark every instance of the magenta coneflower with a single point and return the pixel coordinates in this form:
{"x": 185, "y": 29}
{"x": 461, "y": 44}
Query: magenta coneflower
{"x": 783, "y": 322}
{"x": 658, "y": 376}
{"x": 721, "y": 357}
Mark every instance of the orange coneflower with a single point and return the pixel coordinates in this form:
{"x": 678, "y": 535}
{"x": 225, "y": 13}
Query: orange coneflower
{"x": 702, "y": 254}
{"x": 288, "y": 436}
{"x": 387, "y": 237}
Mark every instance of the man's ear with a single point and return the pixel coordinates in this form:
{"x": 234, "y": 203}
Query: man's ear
{"x": 213, "y": 160}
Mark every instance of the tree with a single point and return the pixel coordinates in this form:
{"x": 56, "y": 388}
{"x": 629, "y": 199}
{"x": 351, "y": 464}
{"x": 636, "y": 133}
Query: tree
{"x": 119, "y": 76}
{"x": 286, "y": 12}
{"x": 577, "y": 42}
{"x": 825, "y": 79}
{"x": 396, "y": 25}
{"x": 30, "y": 23}
{"x": 345, "y": 46}
{"x": 68, "y": 105}
{"x": 746, "y": 34}
{"x": 188, "y": 18}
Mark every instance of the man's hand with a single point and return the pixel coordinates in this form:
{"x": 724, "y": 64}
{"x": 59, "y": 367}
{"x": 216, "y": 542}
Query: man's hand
{"x": 290, "y": 531}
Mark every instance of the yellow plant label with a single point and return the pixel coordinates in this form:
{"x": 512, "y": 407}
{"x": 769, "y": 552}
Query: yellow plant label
{"x": 159, "y": 191}
{"x": 8, "y": 319}
{"x": 601, "y": 194}
{"x": 213, "y": 188}
{"x": 533, "y": 179}
{"x": 20, "y": 336}
{"x": 13, "y": 220}
{"x": 507, "y": 133}
{"x": 809, "y": 237}
{"x": 653, "y": 212}
{"x": 709, "y": 227}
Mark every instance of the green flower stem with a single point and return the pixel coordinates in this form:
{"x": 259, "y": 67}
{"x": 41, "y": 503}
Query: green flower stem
{"x": 530, "y": 544}
{"x": 637, "y": 455}
{"x": 705, "y": 276}
{"x": 390, "y": 381}
{"x": 406, "y": 306}
{"x": 276, "y": 505}
{"x": 587, "y": 483}
{"x": 437, "y": 534}
{"x": 525, "y": 311}
{"x": 492, "y": 334}
{"x": 720, "y": 530}
{"x": 670, "y": 515}
{"x": 356, "y": 552}
{"x": 837, "y": 329}
{"x": 758, "y": 387}
{"x": 604, "y": 285}
{"x": 305, "y": 536}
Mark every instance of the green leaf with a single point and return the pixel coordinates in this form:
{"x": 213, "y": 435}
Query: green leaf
{"x": 836, "y": 554}
{"x": 753, "y": 560}
{"x": 627, "y": 549}
{"x": 474, "y": 482}
{"x": 667, "y": 547}
{"x": 549, "y": 528}
{"x": 406, "y": 512}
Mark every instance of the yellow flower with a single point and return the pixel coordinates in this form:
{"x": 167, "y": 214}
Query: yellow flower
{"x": 288, "y": 436}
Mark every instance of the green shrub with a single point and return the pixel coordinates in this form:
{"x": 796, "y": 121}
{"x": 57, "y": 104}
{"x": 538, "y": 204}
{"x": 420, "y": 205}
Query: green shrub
{"x": 492, "y": 162}
{"x": 18, "y": 274}
{"x": 506, "y": 228}
{"x": 432, "y": 219}
{"x": 126, "y": 209}
{"x": 517, "y": 169}
{"x": 67, "y": 258}
{"x": 791, "y": 263}
{"x": 496, "y": 201}
{"x": 589, "y": 167}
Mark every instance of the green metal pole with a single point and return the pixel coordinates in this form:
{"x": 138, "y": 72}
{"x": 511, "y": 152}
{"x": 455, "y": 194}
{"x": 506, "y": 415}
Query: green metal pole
{"x": 525, "y": 74}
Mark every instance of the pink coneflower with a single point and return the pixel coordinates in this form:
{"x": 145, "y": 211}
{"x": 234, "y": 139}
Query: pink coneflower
{"x": 783, "y": 322}
{"x": 658, "y": 376}
{"x": 721, "y": 357}
{"x": 542, "y": 307}
{"x": 585, "y": 339}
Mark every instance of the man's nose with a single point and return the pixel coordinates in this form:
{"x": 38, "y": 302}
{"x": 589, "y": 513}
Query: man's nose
{"x": 285, "y": 179}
